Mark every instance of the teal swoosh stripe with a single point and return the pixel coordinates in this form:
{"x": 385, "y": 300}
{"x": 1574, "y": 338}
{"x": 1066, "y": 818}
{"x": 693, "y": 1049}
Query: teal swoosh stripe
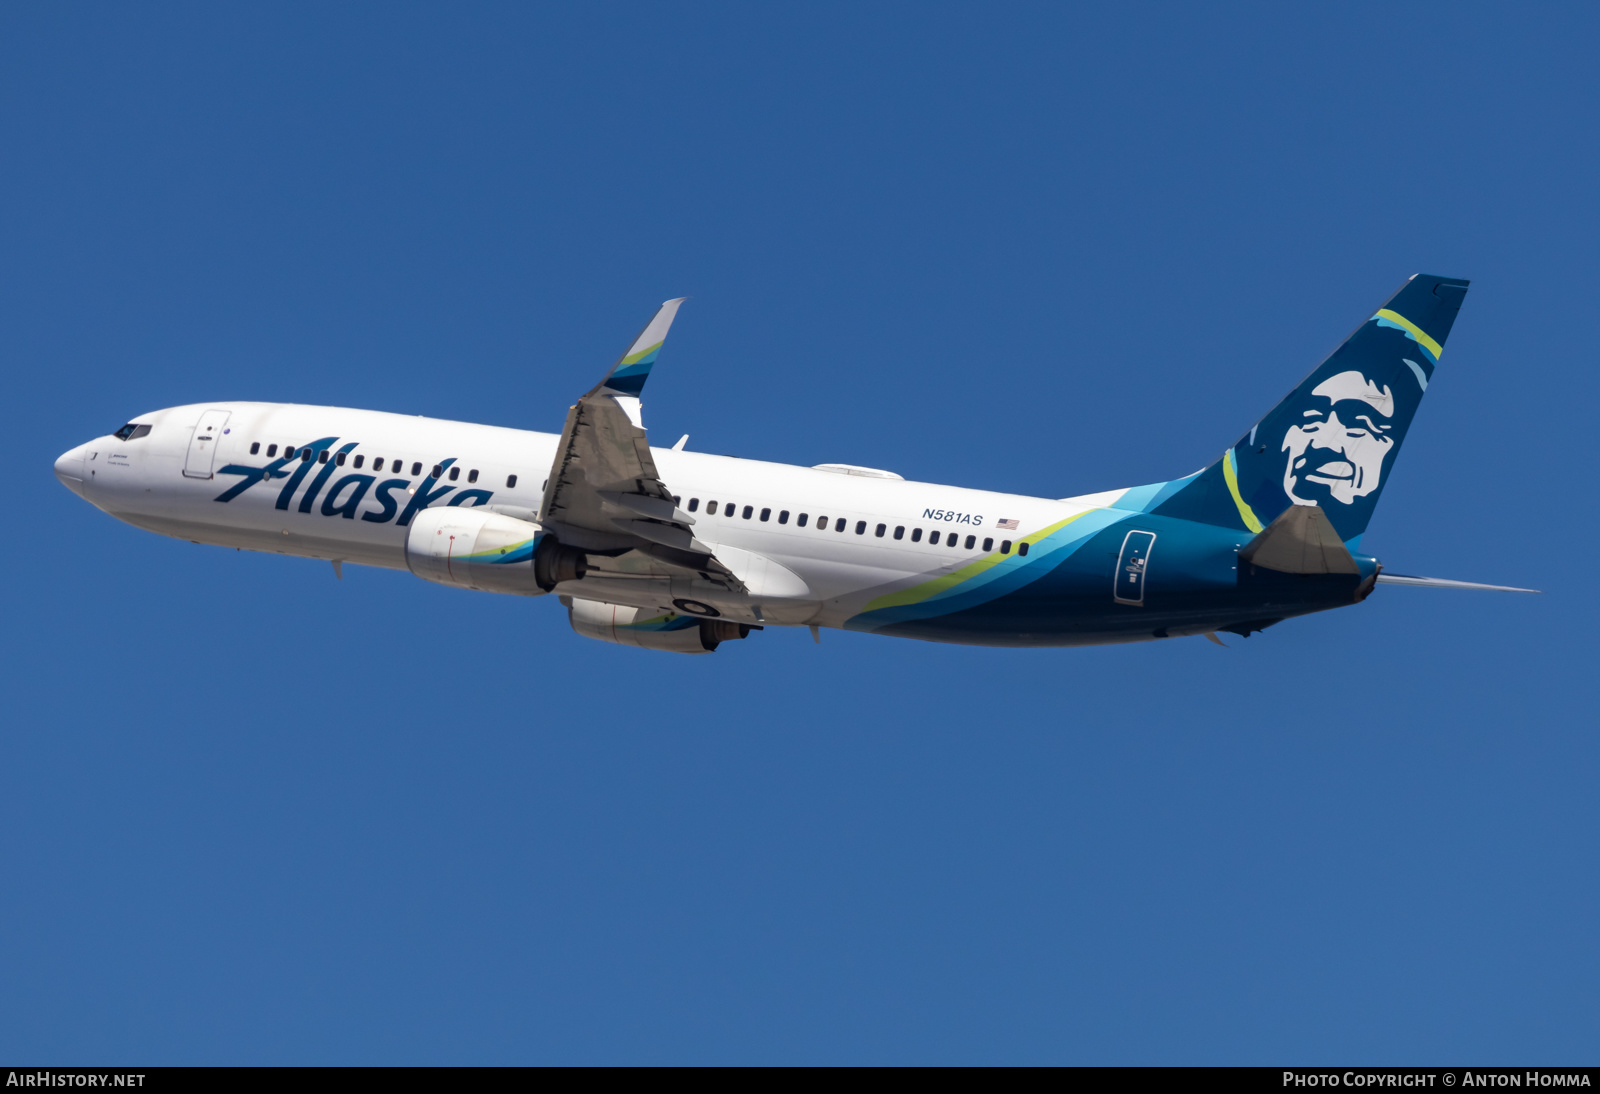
{"x": 662, "y": 623}
{"x": 521, "y": 553}
{"x": 1007, "y": 577}
{"x": 1142, "y": 499}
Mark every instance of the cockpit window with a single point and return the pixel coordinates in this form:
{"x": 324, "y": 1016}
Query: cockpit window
{"x": 132, "y": 432}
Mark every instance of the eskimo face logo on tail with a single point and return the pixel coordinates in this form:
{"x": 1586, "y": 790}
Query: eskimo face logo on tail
{"x": 1337, "y": 450}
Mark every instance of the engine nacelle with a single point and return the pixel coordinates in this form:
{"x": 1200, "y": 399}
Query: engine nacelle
{"x": 471, "y": 549}
{"x": 650, "y": 628}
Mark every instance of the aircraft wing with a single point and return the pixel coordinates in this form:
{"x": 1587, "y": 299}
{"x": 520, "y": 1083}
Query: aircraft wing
{"x": 605, "y": 495}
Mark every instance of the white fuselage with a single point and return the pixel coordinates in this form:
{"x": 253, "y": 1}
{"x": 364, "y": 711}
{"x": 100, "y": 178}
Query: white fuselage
{"x": 168, "y": 481}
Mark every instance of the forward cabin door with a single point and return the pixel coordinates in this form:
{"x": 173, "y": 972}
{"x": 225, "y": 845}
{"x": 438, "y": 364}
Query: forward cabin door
{"x": 203, "y": 445}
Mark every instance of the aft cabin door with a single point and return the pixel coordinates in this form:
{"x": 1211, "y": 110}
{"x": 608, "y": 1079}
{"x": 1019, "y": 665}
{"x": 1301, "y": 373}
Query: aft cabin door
{"x": 1132, "y": 567}
{"x": 203, "y": 445}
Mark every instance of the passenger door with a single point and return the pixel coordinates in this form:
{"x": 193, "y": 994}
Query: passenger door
{"x": 203, "y": 445}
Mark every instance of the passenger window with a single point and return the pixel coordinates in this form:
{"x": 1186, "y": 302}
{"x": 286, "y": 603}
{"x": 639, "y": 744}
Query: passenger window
{"x": 472, "y": 476}
{"x": 882, "y": 528}
{"x": 933, "y": 538}
{"x": 438, "y": 471}
{"x": 694, "y": 503}
{"x": 511, "y": 482}
{"x": 322, "y": 457}
{"x": 340, "y": 459}
{"x": 377, "y": 463}
{"x": 455, "y": 473}
{"x": 899, "y": 531}
{"x": 800, "y": 521}
{"x": 711, "y": 508}
{"x": 783, "y": 516}
{"x": 916, "y": 535}
{"x": 988, "y": 544}
{"x": 288, "y": 453}
{"x": 305, "y": 455}
{"x": 861, "y": 527}
{"x": 676, "y": 500}
{"x": 748, "y": 512}
{"x": 822, "y": 524}
{"x": 766, "y": 514}
{"x": 416, "y": 468}
{"x": 838, "y": 525}
{"x": 971, "y": 542}
{"x": 272, "y": 450}
{"x": 255, "y": 446}
{"x": 359, "y": 461}
{"x": 1022, "y": 548}
{"x": 1005, "y": 546}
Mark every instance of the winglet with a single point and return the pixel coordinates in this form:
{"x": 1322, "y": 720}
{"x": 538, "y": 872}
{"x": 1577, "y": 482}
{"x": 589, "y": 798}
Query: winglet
{"x": 632, "y": 369}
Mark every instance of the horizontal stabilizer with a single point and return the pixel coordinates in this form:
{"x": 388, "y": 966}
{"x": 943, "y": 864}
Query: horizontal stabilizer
{"x": 1446, "y": 583}
{"x": 1300, "y": 541}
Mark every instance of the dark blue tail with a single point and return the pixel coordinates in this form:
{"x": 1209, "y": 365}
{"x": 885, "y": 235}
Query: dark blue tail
{"x": 1334, "y": 440}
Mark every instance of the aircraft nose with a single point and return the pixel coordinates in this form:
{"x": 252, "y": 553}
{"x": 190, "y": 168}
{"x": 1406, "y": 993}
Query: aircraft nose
{"x": 69, "y": 469}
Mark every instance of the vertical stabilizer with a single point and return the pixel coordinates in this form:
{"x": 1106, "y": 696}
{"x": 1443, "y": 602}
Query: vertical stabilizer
{"x": 1333, "y": 441}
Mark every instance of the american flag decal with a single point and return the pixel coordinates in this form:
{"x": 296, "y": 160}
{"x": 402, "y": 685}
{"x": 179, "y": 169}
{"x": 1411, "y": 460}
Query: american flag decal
{"x": 1009, "y": 524}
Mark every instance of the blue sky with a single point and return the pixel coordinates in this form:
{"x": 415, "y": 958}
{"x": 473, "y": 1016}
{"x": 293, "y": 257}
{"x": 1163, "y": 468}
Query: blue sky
{"x": 252, "y": 814}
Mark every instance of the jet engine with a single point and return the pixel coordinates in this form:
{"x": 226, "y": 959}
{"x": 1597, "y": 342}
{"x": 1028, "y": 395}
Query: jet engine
{"x": 650, "y": 628}
{"x": 473, "y": 549}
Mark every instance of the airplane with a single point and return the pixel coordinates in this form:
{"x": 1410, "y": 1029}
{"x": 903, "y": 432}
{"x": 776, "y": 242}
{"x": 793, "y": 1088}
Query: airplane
{"x": 668, "y": 549}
